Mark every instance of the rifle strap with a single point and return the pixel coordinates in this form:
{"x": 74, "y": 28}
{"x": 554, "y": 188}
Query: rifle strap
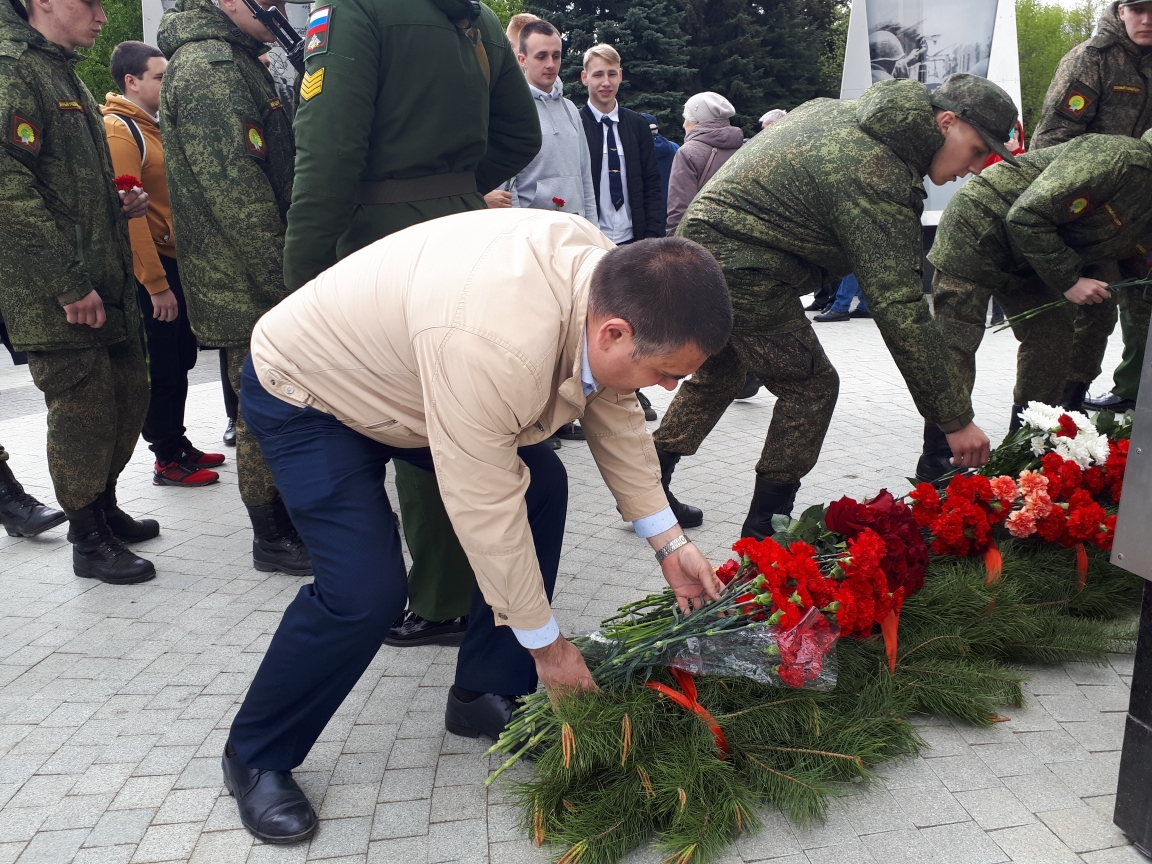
{"x": 472, "y": 31}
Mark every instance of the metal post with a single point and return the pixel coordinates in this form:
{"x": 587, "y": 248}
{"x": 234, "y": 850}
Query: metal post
{"x": 1132, "y": 550}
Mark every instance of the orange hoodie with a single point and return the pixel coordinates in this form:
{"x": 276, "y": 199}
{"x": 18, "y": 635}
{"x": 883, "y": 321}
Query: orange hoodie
{"x": 151, "y": 236}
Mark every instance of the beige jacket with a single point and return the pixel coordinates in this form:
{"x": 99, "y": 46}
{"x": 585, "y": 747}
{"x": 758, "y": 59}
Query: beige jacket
{"x": 465, "y": 334}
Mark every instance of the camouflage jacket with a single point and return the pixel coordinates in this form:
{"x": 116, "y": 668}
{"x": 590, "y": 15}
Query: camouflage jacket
{"x": 62, "y": 234}
{"x": 1103, "y": 85}
{"x": 836, "y": 188}
{"x": 1077, "y": 205}
{"x": 228, "y": 153}
{"x": 370, "y": 111}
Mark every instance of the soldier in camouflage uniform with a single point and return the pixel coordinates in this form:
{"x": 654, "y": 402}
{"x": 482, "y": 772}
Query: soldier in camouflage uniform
{"x": 1104, "y": 85}
{"x": 67, "y": 293}
{"x": 229, "y": 153}
{"x": 834, "y": 188}
{"x": 1028, "y": 235}
{"x": 373, "y": 159}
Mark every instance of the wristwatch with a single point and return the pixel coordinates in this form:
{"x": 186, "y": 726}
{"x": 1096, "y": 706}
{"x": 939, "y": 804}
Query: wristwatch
{"x": 676, "y": 543}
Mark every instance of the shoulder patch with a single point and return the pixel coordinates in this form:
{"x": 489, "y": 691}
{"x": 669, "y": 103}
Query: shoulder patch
{"x": 25, "y": 134}
{"x": 275, "y": 104}
{"x": 1077, "y": 100}
{"x": 312, "y": 84}
{"x": 319, "y": 29}
{"x": 254, "y": 141}
{"x": 1127, "y": 88}
{"x": 69, "y": 105}
{"x": 1077, "y": 204}
{"x": 1115, "y": 217}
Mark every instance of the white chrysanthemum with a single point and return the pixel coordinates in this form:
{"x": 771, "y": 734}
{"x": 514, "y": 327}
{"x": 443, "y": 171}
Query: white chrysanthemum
{"x": 1040, "y": 416}
{"x": 1074, "y": 450}
{"x": 1082, "y": 422}
{"x": 1099, "y": 448}
{"x": 1040, "y": 445}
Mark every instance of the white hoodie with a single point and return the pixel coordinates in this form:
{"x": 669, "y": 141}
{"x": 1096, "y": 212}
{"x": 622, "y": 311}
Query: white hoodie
{"x": 562, "y": 168}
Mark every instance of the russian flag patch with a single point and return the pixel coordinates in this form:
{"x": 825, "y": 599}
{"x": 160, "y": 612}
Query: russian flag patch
{"x": 319, "y": 28}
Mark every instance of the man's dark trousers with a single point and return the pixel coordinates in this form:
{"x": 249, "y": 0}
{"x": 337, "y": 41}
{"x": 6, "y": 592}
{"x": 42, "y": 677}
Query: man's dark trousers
{"x": 332, "y": 481}
{"x": 171, "y": 353}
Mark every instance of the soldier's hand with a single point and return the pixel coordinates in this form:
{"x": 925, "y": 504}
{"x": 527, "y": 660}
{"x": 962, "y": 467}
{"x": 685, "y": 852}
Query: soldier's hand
{"x": 1088, "y": 291}
{"x": 498, "y": 199}
{"x": 164, "y": 307}
{"x": 134, "y": 202}
{"x": 970, "y": 447}
{"x": 89, "y": 310}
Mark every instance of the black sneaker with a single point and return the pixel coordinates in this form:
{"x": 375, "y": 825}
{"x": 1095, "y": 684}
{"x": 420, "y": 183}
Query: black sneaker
{"x": 410, "y": 630}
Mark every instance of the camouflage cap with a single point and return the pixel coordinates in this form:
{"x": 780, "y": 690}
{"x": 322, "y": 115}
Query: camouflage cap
{"x": 983, "y": 105}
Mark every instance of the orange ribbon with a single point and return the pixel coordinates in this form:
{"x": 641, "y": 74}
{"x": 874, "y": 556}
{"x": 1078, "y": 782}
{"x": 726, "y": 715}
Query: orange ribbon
{"x": 687, "y": 701}
{"x": 993, "y": 563}
{"x": 890, "y": 626}
{"x": 1081, "y": 566}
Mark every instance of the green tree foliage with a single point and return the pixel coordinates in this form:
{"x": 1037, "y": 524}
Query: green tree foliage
{"x": 650, "y": 38}
{"x": 835, "y": 43}
{"x": 505, "y": 9}
{"x": 1047, "y": 32}
{"x": 125, "y": 22}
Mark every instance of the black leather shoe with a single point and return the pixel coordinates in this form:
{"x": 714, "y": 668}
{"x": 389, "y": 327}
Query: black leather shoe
{"x": 1074, "y": 393}
{"x": 571, "y": 432}
{"x": 272, "y": 805}
{"x": 97, "y": 554}
{"x": 817, "y": 305}
{"x": 411, "y": 630}
{"x": 687, "y": 515}
{"x": 751, "y": 387}
{"x": 833, "y": 315}
{"x": 859, "y": 313}
{"x": 124, "y": 527}
{"x": 230, "y": 434}
{"x": 1110, "y": 402}
{"x": 486, "y": 715}
{"x": 649, "y": 411}
{"x": 20, "y": 513}
{"x": 768, "y": 499}
{"x": 935, "y": 463}
{"x": 276, "y": 547}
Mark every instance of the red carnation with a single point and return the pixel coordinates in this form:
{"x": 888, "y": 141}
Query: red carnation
{"x": 126, "y": 183}
{"x": 559, "y": 203}
{"x": 1068, "y": 427}
{"x": 727, "y": 572}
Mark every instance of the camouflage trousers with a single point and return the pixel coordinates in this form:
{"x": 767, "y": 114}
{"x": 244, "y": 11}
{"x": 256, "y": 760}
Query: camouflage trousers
{"x": 960, "y": 308}
{"x": 97, "y": 399}
{"x": 257, "y": 487}
{"x": 793, "y": 366}
{"x": 1094, "y": 326}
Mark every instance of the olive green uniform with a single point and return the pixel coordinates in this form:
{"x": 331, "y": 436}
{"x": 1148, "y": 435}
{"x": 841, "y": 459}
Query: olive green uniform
{"x": 63, "y": 236}
{"x": 397, "y": 108}
{"x": 228, "y": 155}
{"x": 1026, "y": 234}
{"x": 834, "y": 188}
{"x": 1103, "y": 85}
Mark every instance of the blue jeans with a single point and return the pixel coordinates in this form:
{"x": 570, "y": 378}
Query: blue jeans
{"x": 848, "y": 289}
{"x": 332, "y": 482}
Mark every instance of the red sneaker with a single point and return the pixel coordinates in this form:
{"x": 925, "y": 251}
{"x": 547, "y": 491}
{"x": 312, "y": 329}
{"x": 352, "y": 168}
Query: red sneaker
{"x": 178, "y": 474}
{"x": 189, "y": 455}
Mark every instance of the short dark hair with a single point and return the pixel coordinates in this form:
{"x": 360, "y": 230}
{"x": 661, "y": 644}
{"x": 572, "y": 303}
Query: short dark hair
{"x": 539, "y": 26}
{"x": 670, "y": 290}
{"x": 131, "y": 58}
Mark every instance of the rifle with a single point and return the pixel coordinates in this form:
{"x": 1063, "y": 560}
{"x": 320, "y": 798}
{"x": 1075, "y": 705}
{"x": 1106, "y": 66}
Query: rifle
{"x": 278, "y": 26}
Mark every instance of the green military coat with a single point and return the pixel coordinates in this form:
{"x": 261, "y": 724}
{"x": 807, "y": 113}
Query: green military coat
{"x": 395, "y": 91}
{"x": 836, "y": 188}
{"x": 228, "y": 155}
{"x": 62, "y": 234}
{"x": 1102, "y": 85}
{"x": 1084, "y": 203}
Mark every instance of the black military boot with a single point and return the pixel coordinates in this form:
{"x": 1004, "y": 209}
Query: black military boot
{"x": 1015, "y": 424}
{"x": 20, "y": 513}
{"x": 1073, "y": 398}
{"x": 769, "y": 499}
{"x": 936, "y": 460}
{"x": 276, "y": 546}
{"x": 97, "y": 554}
{"x": 124, "y": 527}
{"x": 686, "y": 515}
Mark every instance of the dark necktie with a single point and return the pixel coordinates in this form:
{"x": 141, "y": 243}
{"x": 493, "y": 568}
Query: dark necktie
{"x": 614, "y": 184}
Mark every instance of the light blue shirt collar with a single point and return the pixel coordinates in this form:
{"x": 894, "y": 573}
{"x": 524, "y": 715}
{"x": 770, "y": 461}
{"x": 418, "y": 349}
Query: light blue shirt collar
{"x": 587, "y": 380}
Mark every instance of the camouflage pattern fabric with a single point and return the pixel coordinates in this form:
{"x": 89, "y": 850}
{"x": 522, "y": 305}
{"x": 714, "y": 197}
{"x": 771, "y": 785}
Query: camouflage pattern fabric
{"x": 253, "y": 475}
{"x": 97, "y": 399}
{"x": 1101, "y": 85}
{"x": 1135, "y": 311}
{"x": 793, "y": 366}
{"x": 835, "y": 188}
{"x": 961, "y": 306}
{"x": 62, "y": 235}
{"x": 228, "y": 154}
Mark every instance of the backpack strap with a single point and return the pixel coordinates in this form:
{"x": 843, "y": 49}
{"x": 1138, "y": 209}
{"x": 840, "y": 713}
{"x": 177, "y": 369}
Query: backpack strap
{"x": 708, "y": 165}
{"x": 136, "y": 134}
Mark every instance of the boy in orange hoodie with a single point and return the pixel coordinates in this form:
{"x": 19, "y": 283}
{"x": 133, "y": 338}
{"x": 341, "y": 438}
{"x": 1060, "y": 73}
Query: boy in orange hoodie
{"x": 134, "y": 141}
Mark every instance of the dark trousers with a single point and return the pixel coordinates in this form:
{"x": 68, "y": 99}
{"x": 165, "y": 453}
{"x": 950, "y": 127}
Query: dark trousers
{"x": 332, "y": 481}
{"x": 171, "y": 353}
{"x": 231, "y": 400}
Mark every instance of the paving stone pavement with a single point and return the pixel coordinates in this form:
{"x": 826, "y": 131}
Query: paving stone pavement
{"x": 115, "y": 701}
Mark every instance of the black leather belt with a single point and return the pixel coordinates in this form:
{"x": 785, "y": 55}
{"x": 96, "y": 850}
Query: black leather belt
{"x": 418, "y": 189}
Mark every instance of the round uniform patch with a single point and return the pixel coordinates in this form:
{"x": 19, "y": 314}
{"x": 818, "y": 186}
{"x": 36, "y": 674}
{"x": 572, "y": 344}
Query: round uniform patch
{"x": 1076, "y": 103}
{"x": 1078, "y": 206}
{"x": 255, "y": 138}
{"x": 26, "y": 134}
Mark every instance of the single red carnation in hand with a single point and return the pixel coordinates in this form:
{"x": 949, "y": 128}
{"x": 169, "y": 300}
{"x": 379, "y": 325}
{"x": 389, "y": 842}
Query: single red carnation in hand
{"x": 126, "y": 183}
{"x": 559, "y": 203}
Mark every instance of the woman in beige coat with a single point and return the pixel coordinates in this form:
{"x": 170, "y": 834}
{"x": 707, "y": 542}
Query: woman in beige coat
{"x": 710, "y": 142}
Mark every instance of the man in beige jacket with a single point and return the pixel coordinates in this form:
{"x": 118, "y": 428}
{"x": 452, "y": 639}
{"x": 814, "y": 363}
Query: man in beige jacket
{"x": 459, "y": 345}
